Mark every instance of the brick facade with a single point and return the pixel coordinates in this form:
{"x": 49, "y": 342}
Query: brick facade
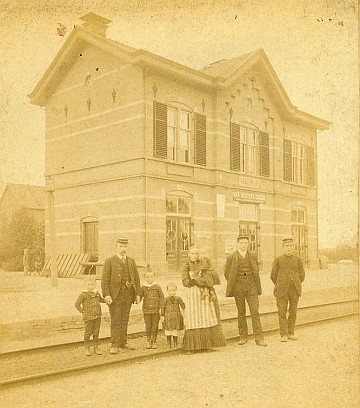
{"x": 100, "y": 134}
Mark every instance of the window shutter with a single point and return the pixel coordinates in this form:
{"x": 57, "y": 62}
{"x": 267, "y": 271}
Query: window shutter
{"x": 234, "y": 146}
{"x": 200, "y": 139}
{"x": 310, "y": 166}
{"x": 264, "y": 154}
{"x": 160, "y": 130}
{"x": 287, "y": 160}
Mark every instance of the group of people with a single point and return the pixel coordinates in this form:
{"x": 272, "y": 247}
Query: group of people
{"x": 199, "y": 315}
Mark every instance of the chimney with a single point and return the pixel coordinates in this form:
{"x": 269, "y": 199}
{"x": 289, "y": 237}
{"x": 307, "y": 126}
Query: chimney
{"x": 95, "y": 23}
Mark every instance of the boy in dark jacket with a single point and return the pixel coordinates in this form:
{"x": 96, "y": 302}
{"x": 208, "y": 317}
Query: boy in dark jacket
{"x": 88, "y": 303}
{"x": 153, "y": 299}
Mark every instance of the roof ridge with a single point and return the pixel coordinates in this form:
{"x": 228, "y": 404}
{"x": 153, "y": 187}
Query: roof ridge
{"x": 227, "y": 62}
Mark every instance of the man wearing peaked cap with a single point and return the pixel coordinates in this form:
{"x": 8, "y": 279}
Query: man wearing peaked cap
{"x": 120, "y": 285}
{"x": 243, "y": 283}
{"x": 287, "y": 275}
{"x": 124, "y": 241}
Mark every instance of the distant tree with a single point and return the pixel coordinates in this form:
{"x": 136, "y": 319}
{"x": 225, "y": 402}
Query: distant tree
{"x": 23, "y": 231}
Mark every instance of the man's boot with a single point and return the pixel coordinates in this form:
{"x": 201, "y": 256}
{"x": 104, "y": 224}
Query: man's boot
{"x": 153, "y": 342}
{"x": 96, "y": 348}
{"x": 149, "y": 342}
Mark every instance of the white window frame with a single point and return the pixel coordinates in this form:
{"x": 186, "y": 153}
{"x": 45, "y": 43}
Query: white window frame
{"x": 249, "y": 150}
{"x": 178, "y": 148}
{"x": 253, "y": 164}
{"x": 243, "y": 149}
{"x": 301, "y": 164}
{"x": 298, "y": 162}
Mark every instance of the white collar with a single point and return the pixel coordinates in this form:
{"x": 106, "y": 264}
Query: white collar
{"x": 121, "y": 256}
{"x": 243, "y": 254}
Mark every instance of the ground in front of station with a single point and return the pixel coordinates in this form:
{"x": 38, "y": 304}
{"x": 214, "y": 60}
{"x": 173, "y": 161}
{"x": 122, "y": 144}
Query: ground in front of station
{"x": 320, "y": 369}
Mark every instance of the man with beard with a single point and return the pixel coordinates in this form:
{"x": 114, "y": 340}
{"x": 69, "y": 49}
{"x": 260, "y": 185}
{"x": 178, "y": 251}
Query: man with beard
{"x": 120, "y": 285}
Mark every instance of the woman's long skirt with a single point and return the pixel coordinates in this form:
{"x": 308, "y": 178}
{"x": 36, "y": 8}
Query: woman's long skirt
{"x": 203, "y": 330}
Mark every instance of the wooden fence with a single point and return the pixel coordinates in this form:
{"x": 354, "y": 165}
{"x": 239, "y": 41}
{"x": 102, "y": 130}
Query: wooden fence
{"x": 68, "y": 265}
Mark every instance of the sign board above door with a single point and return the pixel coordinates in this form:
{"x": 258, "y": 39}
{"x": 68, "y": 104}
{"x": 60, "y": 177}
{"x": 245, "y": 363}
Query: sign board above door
{"x": 247, "y": 197}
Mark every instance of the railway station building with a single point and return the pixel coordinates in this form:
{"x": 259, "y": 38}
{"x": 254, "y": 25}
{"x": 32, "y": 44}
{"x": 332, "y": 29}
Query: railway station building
{"x": 166, "y": 155}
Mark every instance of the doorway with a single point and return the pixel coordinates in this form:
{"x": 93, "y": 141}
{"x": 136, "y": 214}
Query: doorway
{"x": 248, "y": 224}
{"x": 298, "y": 232}
{"x": 178, "y": 230}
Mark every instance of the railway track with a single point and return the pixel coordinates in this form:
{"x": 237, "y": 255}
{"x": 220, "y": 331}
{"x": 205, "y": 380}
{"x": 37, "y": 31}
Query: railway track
{"x": 48, "y": 362}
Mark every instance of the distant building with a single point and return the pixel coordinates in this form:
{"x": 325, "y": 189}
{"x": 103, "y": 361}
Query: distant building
{"x": 144, "y": 147}
{"x": 22, "y": 196}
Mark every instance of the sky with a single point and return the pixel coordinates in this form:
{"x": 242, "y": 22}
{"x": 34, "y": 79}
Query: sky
{"x": 312, "y": 45}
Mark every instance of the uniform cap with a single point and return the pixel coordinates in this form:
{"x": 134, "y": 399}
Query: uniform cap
{"x": 242, "y": 236}
{"x": 288, "y": 240}
{"x": 122, "y": 241}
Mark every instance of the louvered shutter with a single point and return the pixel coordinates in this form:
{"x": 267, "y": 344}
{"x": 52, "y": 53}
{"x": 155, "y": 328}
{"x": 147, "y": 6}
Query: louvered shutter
{"x": 200, "y": 139}
{"x": 264, "y": 154}
{"x": 160, "y": 130}
{"x": 310, "y": 166}
{"x": 287, "y": 160}
{"x": 235, "y": 146}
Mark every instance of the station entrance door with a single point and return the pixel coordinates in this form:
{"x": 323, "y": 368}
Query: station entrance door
{"x": 178, "y": 233}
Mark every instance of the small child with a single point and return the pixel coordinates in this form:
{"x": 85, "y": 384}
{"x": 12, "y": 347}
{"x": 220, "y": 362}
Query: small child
{"x": 206, "y": 265}
{"x": 88, "y": 303}
{"x": 173, "y": 320}
{"x": 153, "y": 299}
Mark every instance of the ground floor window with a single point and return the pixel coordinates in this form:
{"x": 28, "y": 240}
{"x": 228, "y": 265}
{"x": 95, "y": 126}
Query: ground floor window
{"x": 90, "y": 238}
{"x": 249, "y": 224}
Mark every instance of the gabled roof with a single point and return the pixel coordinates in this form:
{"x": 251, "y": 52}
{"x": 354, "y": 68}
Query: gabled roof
{"x": 216, "y": 76}
{"x": 26, "y": 195}
{"x": 226, "y": 67}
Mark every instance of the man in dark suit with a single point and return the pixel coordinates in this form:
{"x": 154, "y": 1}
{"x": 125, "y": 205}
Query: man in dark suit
{"x": 243, "y": 282}
{"x": 287, "y": 274}
{"x": 120, "y": 285}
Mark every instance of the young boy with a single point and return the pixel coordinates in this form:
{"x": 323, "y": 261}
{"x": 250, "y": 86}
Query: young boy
{"x": 88, "y": 303}
{"x": 153, "y": 299}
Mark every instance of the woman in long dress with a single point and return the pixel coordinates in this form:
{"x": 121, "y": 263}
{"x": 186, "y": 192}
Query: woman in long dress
{"x": 203, "y": 330}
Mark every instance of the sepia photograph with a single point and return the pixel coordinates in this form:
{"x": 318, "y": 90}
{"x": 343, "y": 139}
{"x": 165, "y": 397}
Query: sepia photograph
{"x": 179, "y": 203}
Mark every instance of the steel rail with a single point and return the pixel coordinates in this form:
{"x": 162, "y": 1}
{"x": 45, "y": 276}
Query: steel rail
{"x": 142, "y": 333}
{"x": 159, "y": 353}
